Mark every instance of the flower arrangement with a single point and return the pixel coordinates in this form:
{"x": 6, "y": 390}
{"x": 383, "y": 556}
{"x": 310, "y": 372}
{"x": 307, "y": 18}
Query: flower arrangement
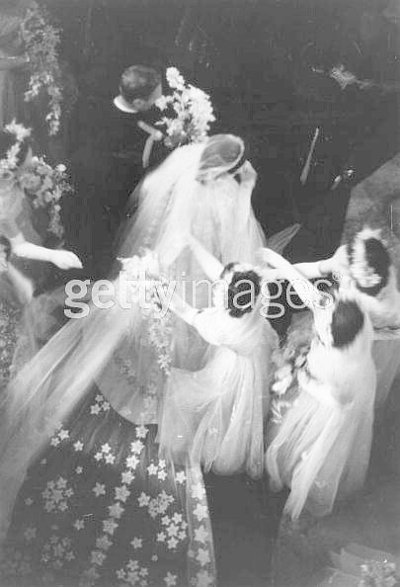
{"x": 41, "y": 40}
{"x": 9, "y": 164}
{"x": 43, "y": 184}
{"x": 142, "y": 271}
{"x": 191, "y": 112}
{"x": 46, "y": 186}
{"x": 379, "y": 574}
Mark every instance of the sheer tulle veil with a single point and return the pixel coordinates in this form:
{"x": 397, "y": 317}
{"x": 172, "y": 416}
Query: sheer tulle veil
{"x": 189, "y": 192}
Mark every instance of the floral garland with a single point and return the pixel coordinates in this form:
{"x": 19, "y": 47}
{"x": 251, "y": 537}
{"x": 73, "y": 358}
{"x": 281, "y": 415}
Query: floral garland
{"x": 41, "y": 40}
{"x": 379, "y": 574}
{"x": 191, "y": 112}
{"x": 45, "y": 185}
{"x": 139, "y": 271}
{"x": 9, "y": 163}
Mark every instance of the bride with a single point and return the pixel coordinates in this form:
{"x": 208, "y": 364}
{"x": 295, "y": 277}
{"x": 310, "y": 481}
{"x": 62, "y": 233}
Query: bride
{"x": 90, "y": 497}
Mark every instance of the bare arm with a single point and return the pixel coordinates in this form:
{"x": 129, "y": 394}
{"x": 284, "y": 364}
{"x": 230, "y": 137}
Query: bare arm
{"x": 335, "y": 264}
{"x": 62, "y": 259}
{"x": 309, "y": 294}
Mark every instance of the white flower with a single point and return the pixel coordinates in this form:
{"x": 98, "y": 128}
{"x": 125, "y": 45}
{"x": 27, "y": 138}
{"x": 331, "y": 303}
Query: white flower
{"x": 137, "y": 542}
{"x": 162, "y": 102}
{"x": 174, "y": 78}
{"x": 122, "y": 493}
{"x": 193, "y": 112}
{"x": 20, "y": 132}
{"x": 343, "y": 77}
{"x": 180, "y": 477}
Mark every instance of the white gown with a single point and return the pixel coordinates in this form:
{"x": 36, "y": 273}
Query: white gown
{"x": 216, "y": 414}
{"x": 112, "y": 345}
{"x": 321, "y": 432}
{"x": 384, "y": 312}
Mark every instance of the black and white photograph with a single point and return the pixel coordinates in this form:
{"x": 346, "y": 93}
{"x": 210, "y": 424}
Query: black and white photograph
{"x": 199, "y": 293}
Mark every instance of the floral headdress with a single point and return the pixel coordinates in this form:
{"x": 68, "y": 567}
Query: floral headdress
{"x": 364, "y": 275}
{"x": 9, "y": 163}
{"x": 191, "y": 112}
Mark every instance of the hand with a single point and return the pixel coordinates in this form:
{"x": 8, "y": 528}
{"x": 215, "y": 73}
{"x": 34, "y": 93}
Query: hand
{"x": 339, "y": 263}
{"x": 65, "y": 260}
{"x": 247, "y": 174}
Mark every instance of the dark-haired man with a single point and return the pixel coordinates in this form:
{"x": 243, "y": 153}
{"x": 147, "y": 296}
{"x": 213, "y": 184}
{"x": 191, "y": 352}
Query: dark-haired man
{"x": 120, "y": 141}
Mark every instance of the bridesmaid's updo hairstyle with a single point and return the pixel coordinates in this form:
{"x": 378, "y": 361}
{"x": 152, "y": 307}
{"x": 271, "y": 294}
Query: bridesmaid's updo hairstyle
{"x": 369, "y": 261}
{"x": 8, "y": 140}
{"x": 243, "y": 289}
{"x": 347, "y": 323}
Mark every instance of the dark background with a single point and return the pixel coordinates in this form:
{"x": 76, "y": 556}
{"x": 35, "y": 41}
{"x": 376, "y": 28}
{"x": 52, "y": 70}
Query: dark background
{"x": 256, "y": 58}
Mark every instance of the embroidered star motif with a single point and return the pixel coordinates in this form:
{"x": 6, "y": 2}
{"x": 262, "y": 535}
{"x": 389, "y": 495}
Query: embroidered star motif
{"x": 103, "y": 542}
{"x": 152, "y": 469}
{"x": 116, "y": 510}
{"x": 161, "y": 537}
{"x": 127, "y": 477}
{"x": 99, "y": 489}
{"x": 141, "y": 431}
{"x": 143, "y": 500}
{"x": 78, "y": 446}
{"x": 137, "y": 542}
{"x": 172, "y": 542}
{"x": 200, "y": 534}
{"x": 109, "y": 526}
{"x": 122, "y": 493}
{"x": 79, "y": 524}
{"x": 63, "y": 434}
{"x": 170, "y": 579}
{"x": 200, "y": 512}
{"x": 203, "y": 556}
{"x": 180, "y": 477}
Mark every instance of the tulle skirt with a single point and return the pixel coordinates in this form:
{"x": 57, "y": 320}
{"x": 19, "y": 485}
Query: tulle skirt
{"x": 99, "y": 507}
{"x": 321, "y": 451}
{"x": 386, "y": 354}
{"x": 216, "y": 414}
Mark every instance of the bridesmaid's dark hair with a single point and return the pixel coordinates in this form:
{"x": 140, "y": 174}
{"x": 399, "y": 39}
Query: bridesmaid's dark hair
{"x": 243, "y": 289}
{"x": 347, "y": 323}
{"x": 5, "y": 243}
{"x": 378, "y": 259}
{"x": 8, "y": 140}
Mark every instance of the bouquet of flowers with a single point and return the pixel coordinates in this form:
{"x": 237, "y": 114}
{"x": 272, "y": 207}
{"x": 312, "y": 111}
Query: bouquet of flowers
{"x": 189, "y": 112}
{"x": 46, "y": 185}
{"x": 41, "y": 40}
